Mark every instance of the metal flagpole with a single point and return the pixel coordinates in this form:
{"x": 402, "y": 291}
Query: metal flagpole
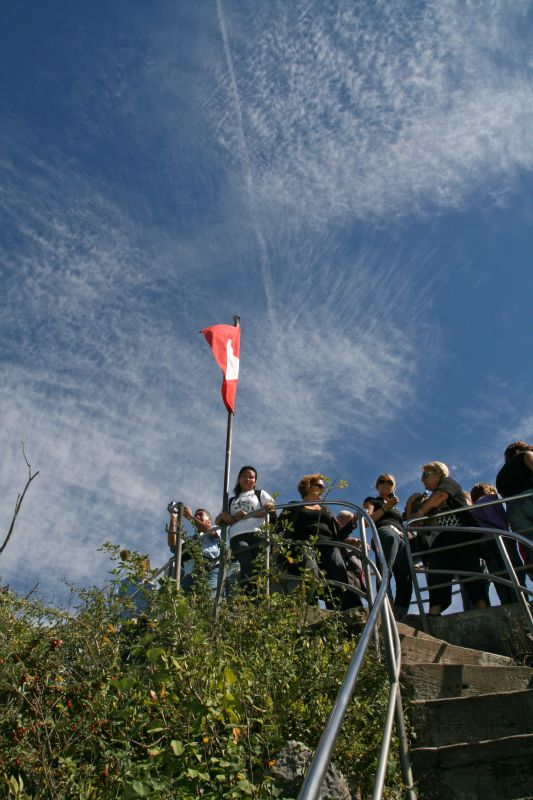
{"x": 224, "y": 549}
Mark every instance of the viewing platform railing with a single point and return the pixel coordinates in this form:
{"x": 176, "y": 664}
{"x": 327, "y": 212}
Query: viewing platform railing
{"x": 477, "y": 535}
{"x": 376, "y": 593}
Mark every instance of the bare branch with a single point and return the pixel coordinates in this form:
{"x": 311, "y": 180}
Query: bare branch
{"x": 20, "y": 499}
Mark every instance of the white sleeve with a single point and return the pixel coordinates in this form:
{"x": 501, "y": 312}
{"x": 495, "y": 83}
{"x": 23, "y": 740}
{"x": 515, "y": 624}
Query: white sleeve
{"x": 265, "y": 498}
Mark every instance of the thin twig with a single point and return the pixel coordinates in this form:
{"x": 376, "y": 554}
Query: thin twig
{"x": 20, "y": 500}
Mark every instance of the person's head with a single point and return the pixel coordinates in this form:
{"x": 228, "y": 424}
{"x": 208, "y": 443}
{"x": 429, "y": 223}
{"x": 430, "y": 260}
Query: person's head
{"x": 203, "y": 515}
{"x": 246, "y": 480}
{"x": 481, "y": 489}
{"x": 514, "y": 448}
{"x": 433, "y": 473}
{"x": 312, "y": 486}
{"x": 343, "y": 517}
{"x": 414, "y": 502}
{"x": 386, "y": 484}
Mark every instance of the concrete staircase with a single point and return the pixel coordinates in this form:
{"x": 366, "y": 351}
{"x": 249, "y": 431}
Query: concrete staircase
{"x": 471, "y": 709}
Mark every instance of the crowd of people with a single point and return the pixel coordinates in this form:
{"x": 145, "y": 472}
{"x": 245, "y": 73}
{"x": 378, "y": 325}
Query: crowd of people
{"x": 442, "y": 504}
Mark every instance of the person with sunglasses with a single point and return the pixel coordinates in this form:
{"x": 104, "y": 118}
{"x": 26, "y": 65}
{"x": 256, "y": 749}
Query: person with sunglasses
{"x": 447, "y": 495}
{"x": 389, "y": 523}
{"x": 302, "y": 523}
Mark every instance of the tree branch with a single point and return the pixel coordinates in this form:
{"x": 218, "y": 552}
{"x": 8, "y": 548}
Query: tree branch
{"x": 20, "y": 499}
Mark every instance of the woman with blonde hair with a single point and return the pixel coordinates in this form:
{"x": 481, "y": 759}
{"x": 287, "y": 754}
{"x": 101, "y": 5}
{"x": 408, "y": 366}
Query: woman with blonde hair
{"x": 447, "y": 495}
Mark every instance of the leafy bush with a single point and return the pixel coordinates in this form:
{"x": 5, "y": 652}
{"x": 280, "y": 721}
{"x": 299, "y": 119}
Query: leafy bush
{"x": 105, "y": 704}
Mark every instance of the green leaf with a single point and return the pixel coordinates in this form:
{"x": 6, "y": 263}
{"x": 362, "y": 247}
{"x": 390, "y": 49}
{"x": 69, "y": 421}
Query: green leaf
{"x": 155, "y": 653}
{"x": 125, "y": 683}
{"x": 229, "y": 676}
{"x": 177, "y": 747}
{"x": 140, "y": 788}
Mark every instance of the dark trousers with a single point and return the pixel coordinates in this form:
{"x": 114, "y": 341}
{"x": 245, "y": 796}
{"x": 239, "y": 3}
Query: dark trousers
{"x": 245, "y": 548}
{"x": 331, "y": 562}
{"x": 491, "y": 555}
{"x": 397, "y": 562}
{"x": 464, "y": 559}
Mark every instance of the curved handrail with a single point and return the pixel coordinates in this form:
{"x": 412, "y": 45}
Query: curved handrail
{"x": 498, "y": 502}
{"x": 311, "y": 786}
{"x": 497, "y": 534}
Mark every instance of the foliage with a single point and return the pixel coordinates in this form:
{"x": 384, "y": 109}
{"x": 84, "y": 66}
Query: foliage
{"x": 106, "y": 704}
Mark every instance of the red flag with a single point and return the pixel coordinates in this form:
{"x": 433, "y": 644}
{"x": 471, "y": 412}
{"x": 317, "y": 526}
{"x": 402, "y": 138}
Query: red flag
{"x": 225, "y": 342}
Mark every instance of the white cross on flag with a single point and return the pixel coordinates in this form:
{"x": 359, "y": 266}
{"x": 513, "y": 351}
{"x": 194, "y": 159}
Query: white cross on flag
{"x": 225, "y": 342}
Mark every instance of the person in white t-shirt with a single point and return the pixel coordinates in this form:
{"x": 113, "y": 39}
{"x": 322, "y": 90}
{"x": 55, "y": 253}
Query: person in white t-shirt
{"x": 244, "y": 531}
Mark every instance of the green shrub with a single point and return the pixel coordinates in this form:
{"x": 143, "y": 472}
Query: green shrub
{"x": 174, "y": 704}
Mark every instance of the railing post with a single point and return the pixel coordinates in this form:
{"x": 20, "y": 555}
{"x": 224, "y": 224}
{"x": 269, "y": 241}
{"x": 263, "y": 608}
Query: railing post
{"x": 178, "y": 546}
{"x": 364, "y": 548}
{"x": 516, "y": 583}
{"x": 387, "y": 623}
{"x": 416, "y": 587}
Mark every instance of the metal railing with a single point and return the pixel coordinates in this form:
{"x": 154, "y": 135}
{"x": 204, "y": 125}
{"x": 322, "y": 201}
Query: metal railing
{"x": 379, "y": 609}
{"x": 495, "y": 534}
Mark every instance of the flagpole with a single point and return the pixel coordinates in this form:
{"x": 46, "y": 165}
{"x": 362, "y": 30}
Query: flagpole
{"x": 225, "y": 500}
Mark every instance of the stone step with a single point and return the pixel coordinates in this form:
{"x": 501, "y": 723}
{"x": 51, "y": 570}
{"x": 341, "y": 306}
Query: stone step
{"x": 421, "y": 648}
{"x": 491, "y": 770}
{"x": 437, "y": 681}
{"x": 471, "y": 719}
{"x": 501, "y": 629}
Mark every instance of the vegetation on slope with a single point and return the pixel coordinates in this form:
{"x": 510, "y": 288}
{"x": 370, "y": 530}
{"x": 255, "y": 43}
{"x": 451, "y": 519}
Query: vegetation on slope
{"x": 173, "y": 705}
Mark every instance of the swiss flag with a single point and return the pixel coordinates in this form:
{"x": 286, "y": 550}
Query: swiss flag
{"x": 225, "y": 342}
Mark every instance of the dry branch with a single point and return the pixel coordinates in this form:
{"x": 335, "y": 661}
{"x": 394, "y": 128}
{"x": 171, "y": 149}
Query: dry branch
{"x": 20, "y": 500}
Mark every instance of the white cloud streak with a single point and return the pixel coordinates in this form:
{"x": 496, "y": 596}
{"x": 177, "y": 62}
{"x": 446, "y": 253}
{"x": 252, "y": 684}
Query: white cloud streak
{"x": 375, "y": 108}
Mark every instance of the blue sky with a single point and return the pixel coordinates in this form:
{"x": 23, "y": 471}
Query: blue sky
{"x": 355, "y": 180}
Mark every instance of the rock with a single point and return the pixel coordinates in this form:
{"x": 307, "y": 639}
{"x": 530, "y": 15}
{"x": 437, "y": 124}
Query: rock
{"x": 291, "y": 765}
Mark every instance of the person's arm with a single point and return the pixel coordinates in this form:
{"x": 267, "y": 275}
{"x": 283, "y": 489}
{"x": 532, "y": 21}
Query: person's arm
{"x": 229, "y": 519}
{"x": 433, "y": 503}
{"x": 172, "y": 527}
{"x": 349, "y": 526}
{"x": 378, "y": 513}
{"x": 267, "y": 504}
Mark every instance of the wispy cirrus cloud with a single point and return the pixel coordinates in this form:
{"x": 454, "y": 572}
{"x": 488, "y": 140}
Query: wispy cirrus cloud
{"x": 374, "y": 109}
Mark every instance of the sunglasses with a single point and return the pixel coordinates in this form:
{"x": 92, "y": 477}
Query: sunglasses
{"x": 427, "y": 473}
{"x": 386, "y": 480}
{"x": 319, "y": 486}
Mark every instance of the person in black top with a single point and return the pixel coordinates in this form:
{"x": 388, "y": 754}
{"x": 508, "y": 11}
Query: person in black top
{"x": 516, "y": 477}
{"x": 388, "y": 520}
{"x": 447, "y": 494}
{"x": 302, "y": 523}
